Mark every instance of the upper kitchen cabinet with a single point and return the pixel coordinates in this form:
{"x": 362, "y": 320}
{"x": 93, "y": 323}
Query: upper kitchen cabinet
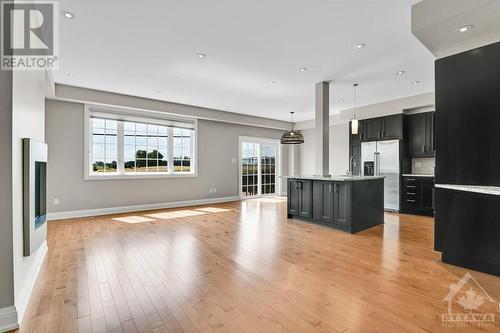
{"x": 392, "y": 127}
{"x": 383, "y": 128}
{"x": 372, "y": 129}
{"x": 420, "y": 134}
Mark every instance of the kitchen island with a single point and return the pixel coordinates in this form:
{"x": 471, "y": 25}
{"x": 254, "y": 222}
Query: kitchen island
{"x": 347, "y": 203}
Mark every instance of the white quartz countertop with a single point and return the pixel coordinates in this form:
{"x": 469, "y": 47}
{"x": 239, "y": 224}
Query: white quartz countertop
{"x": 340, "y": 178}
{"x": 493, "y": 190}
{"x": 416, "y": 175}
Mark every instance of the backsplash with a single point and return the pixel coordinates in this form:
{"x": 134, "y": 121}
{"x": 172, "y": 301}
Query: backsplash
{"x": 423, "y": 166}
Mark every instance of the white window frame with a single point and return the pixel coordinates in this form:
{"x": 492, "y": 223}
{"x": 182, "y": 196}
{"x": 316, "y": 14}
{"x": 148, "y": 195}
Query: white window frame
{"x": 150, "y": 116}
{"x": 277, "y": 167}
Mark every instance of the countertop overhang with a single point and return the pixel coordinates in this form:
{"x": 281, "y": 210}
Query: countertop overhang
{"x": 336, "y": 178}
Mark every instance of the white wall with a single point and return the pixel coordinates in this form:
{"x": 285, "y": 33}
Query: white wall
{"x": 6, "y": 263}
{"x": 28, "y": 119}
{"x": 217, "y": 146}
{"x": 339, "y": 150}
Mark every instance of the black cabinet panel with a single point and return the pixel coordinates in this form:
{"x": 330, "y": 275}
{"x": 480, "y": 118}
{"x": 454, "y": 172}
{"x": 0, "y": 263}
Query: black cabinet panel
{"x": 427, "y": 195}
{"x": 417, "y": 195}
{"x": 347, "y": 206}
{"x": 468, "y": 117}
{"x": 305, "y": 198}
{"x": 293, "y": 197}
{"x": 416, "y": 135}
{"x": 372, "y": 129}
{"x": 467, "y": 229}
{"x": 341, "y": 202}
{"x": 392, "y": 127}
{"x": 323, "y": 201}
{"x": 430, "y": 134}
{"x": 420, "y": 134}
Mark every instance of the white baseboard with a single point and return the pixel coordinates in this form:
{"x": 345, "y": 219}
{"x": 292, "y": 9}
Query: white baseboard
{"x": 136, "y": 208}
{"x": 25, "y": 294}
{"x": 8, "y": 319}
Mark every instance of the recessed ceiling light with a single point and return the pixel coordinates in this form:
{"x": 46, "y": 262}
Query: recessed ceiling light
{"x": 69, "y": 75}
{"x": 272, "y": 83}
{"x": 68, "y": 15}
{"x": 400, "y": 72}
{"x": 302, "y": 69}
{"x": 415, "y": 82}
{"x": 161, "y": 92}
{"x": 201, "y": 55}
{"x": 340, "y": 100}
{"x": 359, "y": 46}
{"x": 465, "y": 28}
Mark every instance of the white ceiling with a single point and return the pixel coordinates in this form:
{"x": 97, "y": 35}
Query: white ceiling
{"x": 141, "y": 47}
{"x": 435, "y": 23}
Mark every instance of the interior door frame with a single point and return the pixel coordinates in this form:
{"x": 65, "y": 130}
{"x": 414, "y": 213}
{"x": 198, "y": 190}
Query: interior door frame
{"x": 277, "y": 168}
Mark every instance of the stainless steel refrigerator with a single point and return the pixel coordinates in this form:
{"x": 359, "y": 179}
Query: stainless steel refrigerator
{"x": 384, "y": 156}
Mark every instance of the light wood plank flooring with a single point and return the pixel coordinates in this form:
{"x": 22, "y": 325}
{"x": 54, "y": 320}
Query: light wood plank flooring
{"x": 241, "y": 267}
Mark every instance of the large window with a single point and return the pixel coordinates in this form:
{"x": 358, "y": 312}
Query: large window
{"x": 129, "y": 146}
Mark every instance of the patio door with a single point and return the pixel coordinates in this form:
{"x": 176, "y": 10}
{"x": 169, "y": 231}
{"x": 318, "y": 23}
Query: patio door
{"x": 259, "y": 167}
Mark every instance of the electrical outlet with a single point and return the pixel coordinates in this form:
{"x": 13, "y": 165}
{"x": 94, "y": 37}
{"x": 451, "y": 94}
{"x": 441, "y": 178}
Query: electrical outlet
{"x": 214, "y": 190}
{"x": 233, "y": 160}
{"x": 56, "y": 202}
{"x": 418, "y": 164}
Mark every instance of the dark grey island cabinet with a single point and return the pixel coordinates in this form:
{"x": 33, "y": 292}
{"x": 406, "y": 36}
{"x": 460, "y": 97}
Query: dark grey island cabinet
{"x": 350, "y": 204}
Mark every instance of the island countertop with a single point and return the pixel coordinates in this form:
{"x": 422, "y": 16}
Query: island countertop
{"x": 340, "y": 178}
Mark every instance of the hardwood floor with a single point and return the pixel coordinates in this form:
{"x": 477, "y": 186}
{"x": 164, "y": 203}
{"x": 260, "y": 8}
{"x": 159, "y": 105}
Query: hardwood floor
{"x": 241, "y": 267}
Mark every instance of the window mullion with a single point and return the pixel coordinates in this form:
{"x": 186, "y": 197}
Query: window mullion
{"x": 121, "y": 148}
{"x": 170, "y": 150}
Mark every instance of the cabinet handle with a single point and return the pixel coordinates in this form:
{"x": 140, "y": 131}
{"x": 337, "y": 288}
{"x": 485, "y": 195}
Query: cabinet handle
{"x": 332, "y": 188}
{"x": 410, "y": 200}
{"x": 410, "y": 186}
{"x": 410, "y": 179}
{"x": 410, "y": 193}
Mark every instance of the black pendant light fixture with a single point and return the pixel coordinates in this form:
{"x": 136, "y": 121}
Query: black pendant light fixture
{"x": 292, "y": 137}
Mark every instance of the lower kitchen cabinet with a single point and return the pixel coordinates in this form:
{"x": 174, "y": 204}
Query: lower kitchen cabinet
{"x": 417, "y": 195}
{"x": 300, "y": 198}
{"x": 350, "y": 206}
{"x": 342, "y": 194}
{"x": 323, "y": 196}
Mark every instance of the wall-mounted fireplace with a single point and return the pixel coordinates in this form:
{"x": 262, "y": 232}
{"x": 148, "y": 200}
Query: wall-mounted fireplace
{"x": 35, "y": 195}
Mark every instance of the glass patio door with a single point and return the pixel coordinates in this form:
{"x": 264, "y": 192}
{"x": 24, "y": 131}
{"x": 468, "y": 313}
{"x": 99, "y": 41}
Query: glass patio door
{"x": 258, "y": 168}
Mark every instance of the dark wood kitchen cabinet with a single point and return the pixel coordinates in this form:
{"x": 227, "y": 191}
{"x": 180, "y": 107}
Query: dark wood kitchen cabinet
{"x": 417, "y": 195}
{"x": 372, "y": 129}
{"x": 348, "y": 204}
{"x": 420, "y": 134}
{"x": 383, "y": 128}
{"x": 300, "y": 198}
{"x": 341, "y": 203}
{"x": 392, "y": 127}
{"x": 323, "y": 201}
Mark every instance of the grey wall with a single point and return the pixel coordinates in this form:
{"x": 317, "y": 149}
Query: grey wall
{"x": 338, "y": 150}
{"x": 6, "y": 263}
{"x": 84, "y": 95}
{"x": 217, "y": 146}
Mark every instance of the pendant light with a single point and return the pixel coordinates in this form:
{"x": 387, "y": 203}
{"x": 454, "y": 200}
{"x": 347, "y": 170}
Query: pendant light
{"x": 354, "y": 122}
{"x": 292, "y": 137}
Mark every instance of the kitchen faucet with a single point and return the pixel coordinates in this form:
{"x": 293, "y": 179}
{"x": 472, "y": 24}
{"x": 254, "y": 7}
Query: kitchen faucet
{"x": 352, "y": 163}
